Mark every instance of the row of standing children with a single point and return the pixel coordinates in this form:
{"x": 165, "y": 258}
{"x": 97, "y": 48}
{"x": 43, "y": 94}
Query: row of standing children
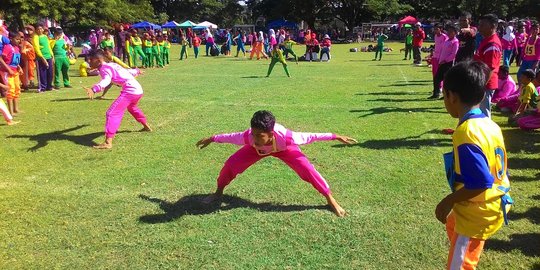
{"x": 23, "y": 54}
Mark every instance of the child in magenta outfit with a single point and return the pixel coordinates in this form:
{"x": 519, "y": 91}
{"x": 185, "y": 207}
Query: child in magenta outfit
{"x": 129, "y": 97}
{"x": 267, "y": 138}
{"x": 507, "y": 86}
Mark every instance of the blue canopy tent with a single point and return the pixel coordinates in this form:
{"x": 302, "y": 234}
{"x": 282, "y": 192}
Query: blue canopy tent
{"x": 171, "y": 24}
{"x": 282, "y": 23}
{"x": 146, "y": 25}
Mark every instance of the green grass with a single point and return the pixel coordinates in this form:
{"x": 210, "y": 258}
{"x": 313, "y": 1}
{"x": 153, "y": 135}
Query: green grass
{"x": 66, "y": 205}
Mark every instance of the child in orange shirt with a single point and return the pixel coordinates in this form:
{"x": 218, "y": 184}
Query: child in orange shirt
{"x": 28, "y": 58}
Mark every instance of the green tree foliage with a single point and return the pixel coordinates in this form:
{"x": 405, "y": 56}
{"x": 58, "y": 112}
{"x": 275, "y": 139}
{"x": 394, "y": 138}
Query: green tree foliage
{"x": 77, "y": 13}
{"x": 221, "y": 12}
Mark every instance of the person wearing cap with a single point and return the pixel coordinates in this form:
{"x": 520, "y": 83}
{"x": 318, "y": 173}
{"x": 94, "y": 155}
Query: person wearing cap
{"x": 418, "y": 38}
{"x": 61, "y": 62}
{"x": 325, "y": 47}
{"x": 45, "y": 58}
{"x": 28, "y": 58}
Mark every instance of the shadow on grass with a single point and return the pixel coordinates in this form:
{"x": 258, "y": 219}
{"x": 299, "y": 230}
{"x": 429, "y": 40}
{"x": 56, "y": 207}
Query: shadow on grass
{"x": 517, "y": 140}
{"x": 527, "y": 243}
{"x": 383, "y": 110}
{"x": 392, "y": 100}
{"x": 69, "y": 99}
{"x": 43, "y": 139}
{"x": 404, "y": 84}
{"x": 193, "y": 205}
{"x": 252, "y": 77}
{"x": 390, "y": 93}
{"x": 79, "y": 99}
{"x": 411, "y": 142}
{"x": 390, "y": 65}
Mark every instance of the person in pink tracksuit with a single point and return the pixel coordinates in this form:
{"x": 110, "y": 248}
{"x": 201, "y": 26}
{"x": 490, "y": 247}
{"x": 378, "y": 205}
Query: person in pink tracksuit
{"x": 129, "y": 97}
{"x": 267, "y": 138}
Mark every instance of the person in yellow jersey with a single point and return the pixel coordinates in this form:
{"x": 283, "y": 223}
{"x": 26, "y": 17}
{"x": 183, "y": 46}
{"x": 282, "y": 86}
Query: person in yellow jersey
{"x": 166, "y": 49}
{"x": 476, "y": 169}
{"x": 147, "y": 48}
{"x": 135, "y": 43}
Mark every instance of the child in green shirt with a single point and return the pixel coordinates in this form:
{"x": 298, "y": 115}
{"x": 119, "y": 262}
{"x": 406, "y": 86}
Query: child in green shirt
{"x": 277, "y": 56}
{"x": 408, "y": 44}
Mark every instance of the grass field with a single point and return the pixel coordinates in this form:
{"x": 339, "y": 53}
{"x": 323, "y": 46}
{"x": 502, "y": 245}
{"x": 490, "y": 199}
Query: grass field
{"x": 65, "y": 205}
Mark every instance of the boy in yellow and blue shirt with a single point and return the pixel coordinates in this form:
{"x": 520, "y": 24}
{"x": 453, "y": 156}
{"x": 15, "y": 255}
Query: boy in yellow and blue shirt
{"x": 476, "y": 169}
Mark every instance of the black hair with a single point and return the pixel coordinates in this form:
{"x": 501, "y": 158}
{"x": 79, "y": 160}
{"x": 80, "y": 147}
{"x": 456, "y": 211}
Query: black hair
{"x": 263, "y": 120}
{"x": 451, "y": 27}
{"x": 529, "y": 73}
{"x": 438, "y": 25}
{"x": 466, "y": 14}
{"x": 108, "y": 48}
{"x": 504, "y": 68}
{"x": 96, "y": 54}
{"x": 468, "y": 80}
{"x": 538, "y": 73}
{"x": 492, "y": 19}
{"x": 13, "y": 34}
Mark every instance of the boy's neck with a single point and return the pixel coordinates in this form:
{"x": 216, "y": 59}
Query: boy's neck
{"x": 466, "y": 109}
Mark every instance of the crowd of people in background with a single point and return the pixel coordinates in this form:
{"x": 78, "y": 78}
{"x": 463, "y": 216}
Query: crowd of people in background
{"x": 497, "y": 44}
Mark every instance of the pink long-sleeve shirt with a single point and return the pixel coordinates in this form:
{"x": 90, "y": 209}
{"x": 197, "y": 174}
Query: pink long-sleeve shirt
{"x": 449, "y": 50}
{"x": 114, "y": 73}
{"x": 507, "y": 87}
{"x": 439, "y": 40}
{"x": 283, "y": 137}
{"x": 509, "y": 45}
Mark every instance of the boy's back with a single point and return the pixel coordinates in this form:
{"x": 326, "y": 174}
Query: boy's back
{"x": 480, "y": 163}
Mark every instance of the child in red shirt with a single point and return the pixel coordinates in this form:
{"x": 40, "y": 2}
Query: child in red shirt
{"x": 12, "y": 57}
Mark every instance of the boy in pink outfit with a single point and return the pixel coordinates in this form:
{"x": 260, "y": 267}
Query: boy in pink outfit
{"x": 440, "y": 38}
{"x": 129, "y": 97}
{"x": 507, "y": 85}
{"x": 267, "y": 138}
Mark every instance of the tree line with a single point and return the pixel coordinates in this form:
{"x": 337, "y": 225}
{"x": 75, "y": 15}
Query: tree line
{"x": 81, "y": 14}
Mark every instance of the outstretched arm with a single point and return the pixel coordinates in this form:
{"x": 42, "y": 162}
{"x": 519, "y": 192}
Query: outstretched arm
{"x": 233, "y": 138}
{"x": 300, "y": 138}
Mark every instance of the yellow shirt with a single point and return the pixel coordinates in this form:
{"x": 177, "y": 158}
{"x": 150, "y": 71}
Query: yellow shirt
{"x": 83, "y": 69}
{"x": 528, "y": 94}
{"x": 480, "y": 162}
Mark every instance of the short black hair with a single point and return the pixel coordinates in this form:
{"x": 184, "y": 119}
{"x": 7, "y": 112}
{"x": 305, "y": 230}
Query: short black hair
{"x": 504, "y": 68}
{"x": 492, "y": 19}
{"x": 438, "y": 25}
{"x": 96, "y": 54}
{"x": 466, "y": 14}
{"x": 529, "y": 73}
{"x": 468, "y": 80}
{"x": 13, "y": 34}
{"x": 263, "y": 120}
{"x": 451, "y": 26}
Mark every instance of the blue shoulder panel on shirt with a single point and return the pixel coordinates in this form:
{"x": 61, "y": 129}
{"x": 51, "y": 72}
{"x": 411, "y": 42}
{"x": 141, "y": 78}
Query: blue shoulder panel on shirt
{"x": 475, "y": 172}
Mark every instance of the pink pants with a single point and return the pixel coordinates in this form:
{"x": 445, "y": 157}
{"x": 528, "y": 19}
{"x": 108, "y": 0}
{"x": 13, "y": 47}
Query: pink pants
{"x": 529, "y": 122}
{"x": 116, "y": 111}
{"x": 511, "y": 102}
{"x": 247, "y": 156}
{"x": 5, "y": 111}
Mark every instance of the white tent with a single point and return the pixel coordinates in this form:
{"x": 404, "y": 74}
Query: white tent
{"x": 208, "y": 24}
